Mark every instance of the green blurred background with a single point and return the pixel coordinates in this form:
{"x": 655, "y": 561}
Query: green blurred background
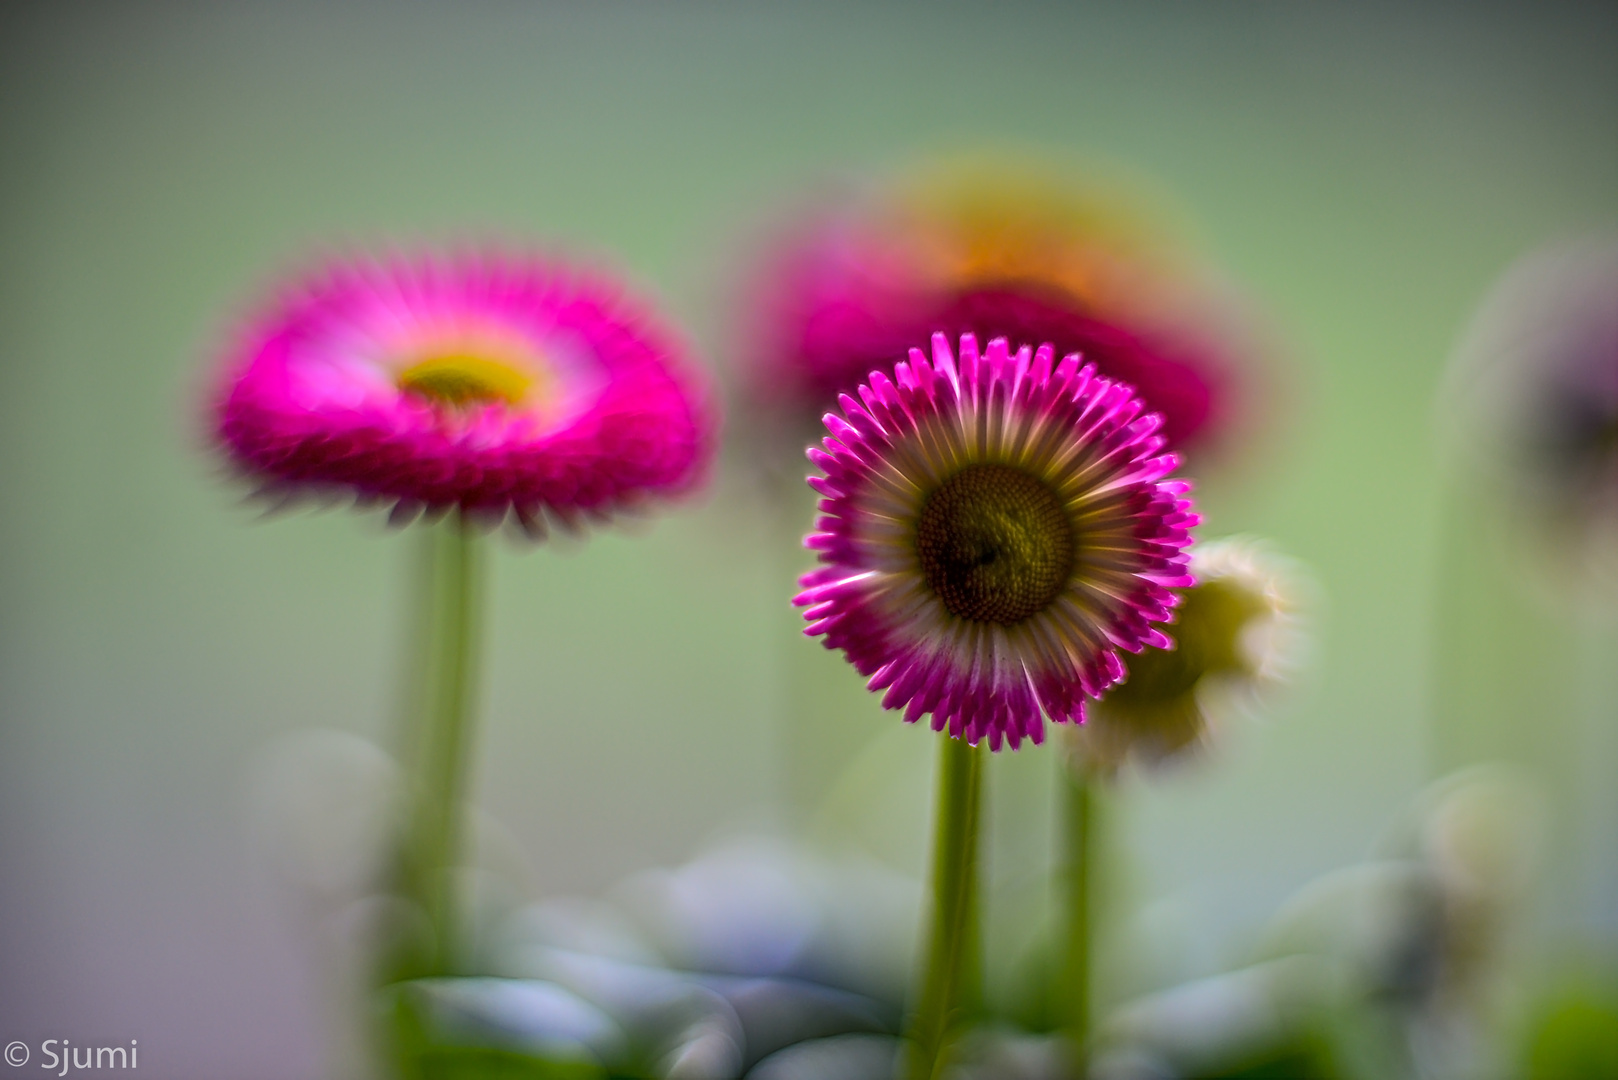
{"x": 1364, "y": 172}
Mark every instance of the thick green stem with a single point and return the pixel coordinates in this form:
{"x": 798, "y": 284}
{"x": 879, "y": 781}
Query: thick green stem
{"x": 951, "y": 932}
{"x": 1079, "y": 837}
{"x": 441, "y": 745}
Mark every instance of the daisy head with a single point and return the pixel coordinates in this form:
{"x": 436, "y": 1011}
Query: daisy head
{"x": 1235, "y": 632}
{"x": 1054, "y": 255}
{"x": 505, "y": 388}
{"x": 1190, "y": 389}
{"x": 834, "y": 297}
{"x": 1022, "y": 254}
{"x": 992, "y": 531}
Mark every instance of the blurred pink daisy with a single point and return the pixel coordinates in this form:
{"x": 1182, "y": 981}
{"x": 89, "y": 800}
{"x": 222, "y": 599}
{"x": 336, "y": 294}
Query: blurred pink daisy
{"x": 1024, "y": 254}
{"x": 836, "y": 298}
{"x": 500, "y": 387}
{"x": 993, "y": 531}
{"x": 1184, "y": 379}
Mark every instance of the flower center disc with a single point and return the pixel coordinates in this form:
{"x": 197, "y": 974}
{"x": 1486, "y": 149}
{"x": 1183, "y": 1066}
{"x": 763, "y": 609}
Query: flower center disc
{"x": 1207, "y": 635}
{"x": 465, "y": 379}
{"x": 995, "y": 544}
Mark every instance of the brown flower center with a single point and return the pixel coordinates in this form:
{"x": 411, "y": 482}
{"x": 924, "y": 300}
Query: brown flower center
{"x": 995, "y": 544}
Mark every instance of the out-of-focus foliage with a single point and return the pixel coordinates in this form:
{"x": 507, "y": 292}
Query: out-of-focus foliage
{"x": 1576, "y": 1038}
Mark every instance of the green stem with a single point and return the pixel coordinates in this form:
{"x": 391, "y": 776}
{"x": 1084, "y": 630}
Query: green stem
{"x": 951, "y": 930}
{"x": 442, "y": 744}
{"x": 1079, "y": 835}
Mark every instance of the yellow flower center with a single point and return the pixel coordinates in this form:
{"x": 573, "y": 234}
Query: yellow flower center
{"x": 1207, "y": 637}
{"x": 462, "y": 378}
{"x": 995, "y": 544}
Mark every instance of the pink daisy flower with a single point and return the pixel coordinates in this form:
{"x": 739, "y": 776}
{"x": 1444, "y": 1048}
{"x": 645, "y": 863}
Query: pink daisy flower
{"x": 993, "y": 531}
{"x": 832, "y": 299}
{"x": 1018, "y": 254}
{"x": 499, "y": 387}
{"x": 1185, "y": 380}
